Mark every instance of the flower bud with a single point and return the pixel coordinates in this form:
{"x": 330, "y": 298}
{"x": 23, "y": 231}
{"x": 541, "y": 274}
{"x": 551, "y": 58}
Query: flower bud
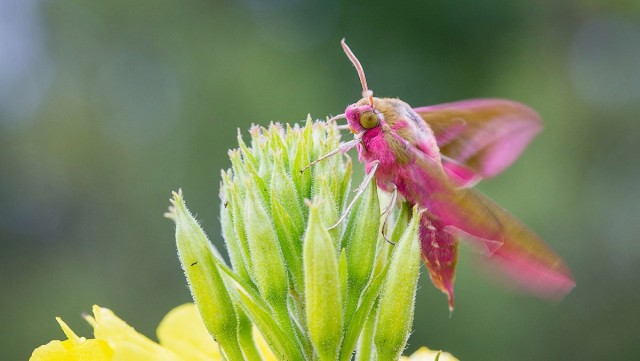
{"x": 360, "y": 238}
{"x": 198, "y": 259}
{"x": 397, "y": 298}
{"x": 264, "y": 250}
{"x": 288, "y": 218}
{"x": 322, "y": 288}
{"x": 360, "y": 241}
{"x": 328, "y": 208}
{"x": 228, "y": 232}
{"x": 302, "y": 179}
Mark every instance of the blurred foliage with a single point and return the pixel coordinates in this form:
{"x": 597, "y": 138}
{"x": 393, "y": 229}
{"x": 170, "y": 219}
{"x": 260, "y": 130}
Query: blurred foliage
{"x": 107, "y": 106}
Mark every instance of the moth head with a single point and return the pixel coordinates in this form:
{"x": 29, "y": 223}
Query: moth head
{"x": 362, "y": 118}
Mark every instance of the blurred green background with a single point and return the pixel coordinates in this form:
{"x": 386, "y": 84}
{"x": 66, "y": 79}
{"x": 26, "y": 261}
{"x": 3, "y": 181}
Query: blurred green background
{"x": 107, "y": 106}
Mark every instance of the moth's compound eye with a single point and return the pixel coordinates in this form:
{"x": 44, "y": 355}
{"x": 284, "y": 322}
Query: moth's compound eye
{"x": 368, "y": 119}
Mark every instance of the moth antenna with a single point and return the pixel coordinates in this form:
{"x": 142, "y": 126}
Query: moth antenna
{"x": 366, "y": 93}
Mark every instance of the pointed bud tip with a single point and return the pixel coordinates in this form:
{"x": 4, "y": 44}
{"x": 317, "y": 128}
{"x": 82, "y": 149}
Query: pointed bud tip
{"x": 176, "y": 201}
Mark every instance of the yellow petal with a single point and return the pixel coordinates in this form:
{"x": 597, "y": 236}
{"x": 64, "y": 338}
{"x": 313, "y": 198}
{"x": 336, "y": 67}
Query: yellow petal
{"x": 69, "y": 332}
{"x": 75, "y": 348}
{"x": 263, "y": 346}
{"x": 183, "y": 332}
{"x": 127, "y": 343}
{"x": 424, "y": 354}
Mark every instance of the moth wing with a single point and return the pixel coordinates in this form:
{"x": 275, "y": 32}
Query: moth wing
{"x": 469, "y": 215}
{"x": 486, "y": 135}
{"x": 521, "y": 254}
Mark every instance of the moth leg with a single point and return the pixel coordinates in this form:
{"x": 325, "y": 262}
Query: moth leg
{"x": 343, "y": 148}
{"x": 335, "y": 120}
{"x": 387, "y": 214}
{"x": 359, "y": 192}
{"x": 337, "y": 117}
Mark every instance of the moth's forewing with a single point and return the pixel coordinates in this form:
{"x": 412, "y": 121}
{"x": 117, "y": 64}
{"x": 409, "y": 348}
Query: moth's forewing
{"x": 486, "y": 135}
{"x": 469, "y": 215}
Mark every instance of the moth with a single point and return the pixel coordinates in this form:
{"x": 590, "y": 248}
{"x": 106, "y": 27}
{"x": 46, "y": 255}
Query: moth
{"x": 433, "y": 156}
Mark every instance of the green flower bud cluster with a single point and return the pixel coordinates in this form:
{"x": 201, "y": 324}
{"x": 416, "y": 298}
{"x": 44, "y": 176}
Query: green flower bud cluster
{"x": 314, "y": 292}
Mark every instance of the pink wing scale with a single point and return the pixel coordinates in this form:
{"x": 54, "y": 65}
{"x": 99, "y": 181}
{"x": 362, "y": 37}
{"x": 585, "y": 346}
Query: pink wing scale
{"x": 469, "y": 215}
{"x": 485, "y": 134}
{"x": 460, "y": 174}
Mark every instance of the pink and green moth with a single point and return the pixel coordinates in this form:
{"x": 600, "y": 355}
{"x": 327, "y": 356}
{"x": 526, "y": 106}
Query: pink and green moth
{"x": 433, "y": 156}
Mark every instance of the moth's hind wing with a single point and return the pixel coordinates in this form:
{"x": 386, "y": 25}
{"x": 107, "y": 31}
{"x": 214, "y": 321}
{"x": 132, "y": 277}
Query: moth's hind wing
{"x": 520, "y": 253}
{"x": 469, "y": 215}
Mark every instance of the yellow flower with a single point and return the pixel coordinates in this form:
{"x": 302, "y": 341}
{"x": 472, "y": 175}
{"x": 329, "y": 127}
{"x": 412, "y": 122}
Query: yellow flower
{"x": 183, "y": 332}
{"x": 182, "y": 335}
{"x": 75, "y": 348}
{"x": 424, "y": 354}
